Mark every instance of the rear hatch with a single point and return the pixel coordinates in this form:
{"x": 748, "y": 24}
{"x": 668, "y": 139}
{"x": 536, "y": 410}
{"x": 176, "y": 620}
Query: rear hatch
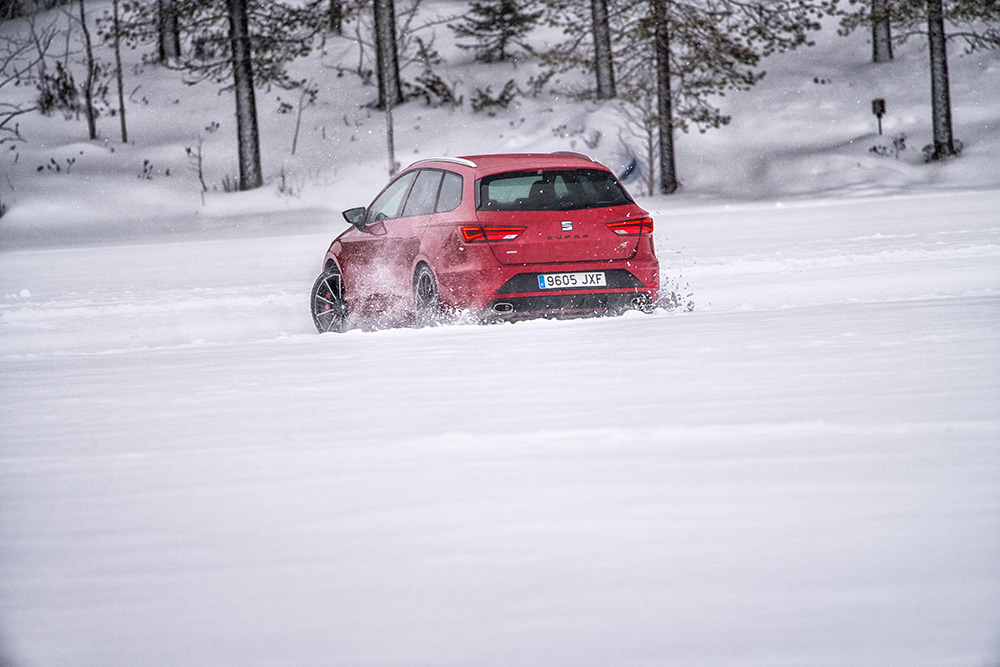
{"x": 558, "y": 215}
{"x": 559, "y": 236}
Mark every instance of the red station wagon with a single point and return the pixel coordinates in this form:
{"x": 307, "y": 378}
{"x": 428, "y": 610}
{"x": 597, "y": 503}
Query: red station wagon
{"x": 500, "y": 237}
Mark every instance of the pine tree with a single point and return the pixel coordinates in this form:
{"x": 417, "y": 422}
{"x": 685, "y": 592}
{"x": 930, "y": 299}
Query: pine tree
{"x": 89, "y": 81}
{"x": 390, "y": 87}
{"x": 876, "y": 15}
{"x": 238, "y": 43}
{"x": 664, "y": 96}
{"x": 279, "y": 31}
{"x": 881, "y": 31}
{"x": 387, "y": 63}
{"x": 119, "y": 75}
{"x": 169, "y": 31}
{"x": 495, "y": 27}
{"x": 974, "y": 22}
{"x": 683, "y": 54}
{"x": 705, "y": 48}
{"x": 590, "y": 41}
{"x": 251, "y": 175}
{"x": 603, "y": 60}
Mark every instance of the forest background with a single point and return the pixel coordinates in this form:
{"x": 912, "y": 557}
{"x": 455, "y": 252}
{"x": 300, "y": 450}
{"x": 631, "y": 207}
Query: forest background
{"x": 656, "y": 69}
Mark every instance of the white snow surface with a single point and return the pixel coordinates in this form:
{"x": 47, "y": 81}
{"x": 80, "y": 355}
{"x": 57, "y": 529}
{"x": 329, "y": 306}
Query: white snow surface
{"x": 802, "y": 470}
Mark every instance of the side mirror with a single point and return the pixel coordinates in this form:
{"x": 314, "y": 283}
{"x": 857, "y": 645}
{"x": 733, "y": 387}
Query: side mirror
{"x": 356, "y": 216}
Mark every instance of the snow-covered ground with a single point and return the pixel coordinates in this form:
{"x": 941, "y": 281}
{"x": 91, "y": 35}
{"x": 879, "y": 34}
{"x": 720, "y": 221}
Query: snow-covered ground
{"x": 803, "y": 470}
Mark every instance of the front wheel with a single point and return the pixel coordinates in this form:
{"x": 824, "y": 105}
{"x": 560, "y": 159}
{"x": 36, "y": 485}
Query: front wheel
{"x": 426, "y": 298}
{"x": 329, "y": 307}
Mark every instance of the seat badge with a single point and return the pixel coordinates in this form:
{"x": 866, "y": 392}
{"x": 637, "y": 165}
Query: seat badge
{"x": 567, "y": 225}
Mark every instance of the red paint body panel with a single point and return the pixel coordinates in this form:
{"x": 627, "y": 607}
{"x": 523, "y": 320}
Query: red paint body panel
{"x": 378, "y": 263}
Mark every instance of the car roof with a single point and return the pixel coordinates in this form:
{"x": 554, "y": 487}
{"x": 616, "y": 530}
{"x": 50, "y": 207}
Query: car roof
{"x": 484, "y": 165}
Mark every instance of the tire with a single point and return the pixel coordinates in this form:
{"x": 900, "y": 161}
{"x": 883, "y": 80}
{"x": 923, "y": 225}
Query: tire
{"x": 427, "y": 306}
{"x": 329, "y": 306}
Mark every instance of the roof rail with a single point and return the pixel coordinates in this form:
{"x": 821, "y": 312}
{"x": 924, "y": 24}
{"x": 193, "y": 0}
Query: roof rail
{"x": 455, "y": 160}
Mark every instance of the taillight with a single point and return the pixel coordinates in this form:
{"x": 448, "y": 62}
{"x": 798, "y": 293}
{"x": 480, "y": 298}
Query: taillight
{"x": 632, "y": 227}
{"x": 490, "y": 233}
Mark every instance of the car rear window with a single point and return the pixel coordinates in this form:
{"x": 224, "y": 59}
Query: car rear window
{"x": 550, "y": 190}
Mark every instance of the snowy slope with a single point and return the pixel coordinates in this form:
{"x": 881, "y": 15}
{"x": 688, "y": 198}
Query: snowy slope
{"x": 802, "y": 470}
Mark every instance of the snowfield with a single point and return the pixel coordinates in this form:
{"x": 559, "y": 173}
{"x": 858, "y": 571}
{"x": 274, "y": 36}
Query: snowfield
{"x": 801, "y": 469}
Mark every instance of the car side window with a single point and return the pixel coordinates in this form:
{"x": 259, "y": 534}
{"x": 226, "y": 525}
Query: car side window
{"x": 388, "y": 205}
{"x": 451, "y": 192}
{"x": 421, "y": 199}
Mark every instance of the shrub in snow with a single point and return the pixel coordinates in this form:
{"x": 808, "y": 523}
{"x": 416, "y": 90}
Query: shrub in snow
{"x": 58, "y": 92}
{"x": 56, "y": 166}
{"x": 898, "y": 146}
{"x": 429, "y": 85}
{"x": 484, "y": 99}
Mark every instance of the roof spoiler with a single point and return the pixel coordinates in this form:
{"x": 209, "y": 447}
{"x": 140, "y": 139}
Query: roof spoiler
{"x": 574, "y": 154}
{"x": 454, "y": 160}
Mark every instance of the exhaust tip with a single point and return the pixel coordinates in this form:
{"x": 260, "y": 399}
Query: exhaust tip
{"x": 503, "y": 307}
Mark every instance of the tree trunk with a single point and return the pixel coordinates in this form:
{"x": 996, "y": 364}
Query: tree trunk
{"x": 170, "y": 33}
{"x": 881, "y": 32}
{"x": 652, "y": 139}
{"x": 386, "y": 58}
{"x": 668, "y": 167}
{"x": 88, "y": 84}
{"x": 388, "y": 72}
{"x": 246, "y": 105}
{"x": 337, "y": 17}
{"x": 390, "y": 139}
{"x": 604, "y": 65}
{"x": 944, "y": 142}
{"x": 118, "y": 70}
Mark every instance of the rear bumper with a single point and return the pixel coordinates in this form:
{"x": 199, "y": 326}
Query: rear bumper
{"x": 560, "y": 306}
{"x": 505, "y": 292}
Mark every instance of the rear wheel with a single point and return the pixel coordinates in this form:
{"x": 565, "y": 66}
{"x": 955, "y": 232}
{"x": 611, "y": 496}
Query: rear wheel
{"x": 426, "y": 298}
{"x": 329, "y": 307}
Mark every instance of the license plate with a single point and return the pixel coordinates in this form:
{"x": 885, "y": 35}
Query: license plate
{"x": 572, "y": 280}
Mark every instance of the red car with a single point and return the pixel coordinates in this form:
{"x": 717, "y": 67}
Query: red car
{"x": 499, "y": 237}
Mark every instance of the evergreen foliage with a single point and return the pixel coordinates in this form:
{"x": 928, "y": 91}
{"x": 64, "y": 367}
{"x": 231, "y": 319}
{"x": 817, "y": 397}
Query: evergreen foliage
{"x": 672, "y": 59}
{"x": 429, "y": 85}
{"x": 975, "y": 23}
{"x": 240, "y": 43}
{"x": 716, "y": 46}
{"x": 10, "y": 9}
{"x": 495, "y": 27}
{"x": 279, "y": 33}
